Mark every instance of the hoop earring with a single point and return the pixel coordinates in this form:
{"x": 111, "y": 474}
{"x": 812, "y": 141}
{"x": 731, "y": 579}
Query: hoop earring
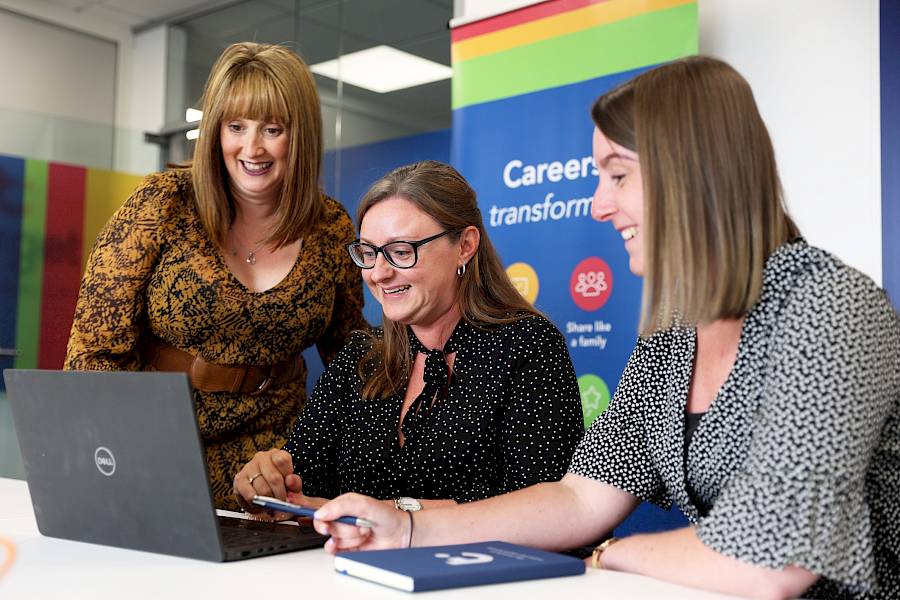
{"x": 461, "y": 270}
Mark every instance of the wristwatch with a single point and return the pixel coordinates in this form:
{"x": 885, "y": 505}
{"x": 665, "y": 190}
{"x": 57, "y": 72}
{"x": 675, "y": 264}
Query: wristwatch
{"x": 407, "y": 504}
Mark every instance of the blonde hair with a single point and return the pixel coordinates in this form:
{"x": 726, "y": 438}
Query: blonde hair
{"x": 485, "y": 295}
{"x": 713, "y": 202}
{"x": 271, "y": 84}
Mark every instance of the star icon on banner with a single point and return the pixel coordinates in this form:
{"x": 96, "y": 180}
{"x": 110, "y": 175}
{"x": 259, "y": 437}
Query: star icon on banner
{"x": 591, "y": 399}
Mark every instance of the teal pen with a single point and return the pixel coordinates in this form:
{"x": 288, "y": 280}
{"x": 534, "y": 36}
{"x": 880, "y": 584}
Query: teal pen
{"x": 305, "y": 511}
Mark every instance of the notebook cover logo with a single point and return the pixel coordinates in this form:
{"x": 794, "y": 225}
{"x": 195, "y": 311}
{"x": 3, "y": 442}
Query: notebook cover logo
{"x": 105, "y": 461}
{"x": 465, "y": 558}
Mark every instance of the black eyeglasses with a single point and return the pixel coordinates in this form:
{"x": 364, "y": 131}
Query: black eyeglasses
{"x": 399, "y": 254}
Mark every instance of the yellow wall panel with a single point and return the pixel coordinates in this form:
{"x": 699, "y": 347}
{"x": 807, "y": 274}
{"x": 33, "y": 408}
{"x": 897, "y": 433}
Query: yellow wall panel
{"x": 106, "y": 192}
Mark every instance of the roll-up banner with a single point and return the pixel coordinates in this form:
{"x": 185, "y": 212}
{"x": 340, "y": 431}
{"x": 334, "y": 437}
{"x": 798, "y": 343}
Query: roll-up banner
{"x": 523, "y": 85}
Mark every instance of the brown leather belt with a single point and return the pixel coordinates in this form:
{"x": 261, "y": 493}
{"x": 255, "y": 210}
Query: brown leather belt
{"x": 210, "y": 377}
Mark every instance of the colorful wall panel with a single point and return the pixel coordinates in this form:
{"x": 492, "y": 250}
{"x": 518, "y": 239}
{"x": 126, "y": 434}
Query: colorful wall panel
{"x": 64, "y": 244}
{"x": 31, "y": 262}
{"x": 50, "y": 214}
{"x": 105, "y": 192}
{"x": 523, "y": 85}
{"x": 12, "y": 186}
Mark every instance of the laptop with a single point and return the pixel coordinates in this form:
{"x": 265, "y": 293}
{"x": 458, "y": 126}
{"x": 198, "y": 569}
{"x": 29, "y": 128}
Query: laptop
{"x": 115, "y": 458}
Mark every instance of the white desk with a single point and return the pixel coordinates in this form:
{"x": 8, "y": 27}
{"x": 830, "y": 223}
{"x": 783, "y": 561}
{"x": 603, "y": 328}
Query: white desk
{"x": 51, "y": 568}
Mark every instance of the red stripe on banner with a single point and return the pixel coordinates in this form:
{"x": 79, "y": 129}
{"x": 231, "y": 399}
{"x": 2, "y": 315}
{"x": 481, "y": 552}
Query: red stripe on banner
{"x": 62, "y": 260}
{"x": 518, "y": 17}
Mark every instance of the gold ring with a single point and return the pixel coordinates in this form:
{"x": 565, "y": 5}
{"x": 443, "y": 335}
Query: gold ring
{"x": 250, "y": 479}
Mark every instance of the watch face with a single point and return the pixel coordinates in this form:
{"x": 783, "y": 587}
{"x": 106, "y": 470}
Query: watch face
{"x": 408, "y": 504}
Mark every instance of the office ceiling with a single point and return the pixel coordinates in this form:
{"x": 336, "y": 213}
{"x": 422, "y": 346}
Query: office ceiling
{"x": 133, "y": 13}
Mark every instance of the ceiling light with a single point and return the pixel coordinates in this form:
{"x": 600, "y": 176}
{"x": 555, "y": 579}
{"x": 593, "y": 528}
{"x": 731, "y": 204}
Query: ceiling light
{"x": 192, "y": 115}
{"x": 383, "y": 69}
{"x": 192, "y": 134}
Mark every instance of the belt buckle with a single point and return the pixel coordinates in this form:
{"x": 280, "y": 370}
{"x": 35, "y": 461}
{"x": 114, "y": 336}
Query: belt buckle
{"x": 261, "y": 389}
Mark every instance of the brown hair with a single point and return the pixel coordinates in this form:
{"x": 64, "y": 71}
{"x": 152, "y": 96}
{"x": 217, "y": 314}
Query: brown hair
{"x": 264, "y": 83}
{"x": 486, "y": 296}
{"x": 713, "y": 202}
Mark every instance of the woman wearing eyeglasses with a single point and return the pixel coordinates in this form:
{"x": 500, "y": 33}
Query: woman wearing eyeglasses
{"x": 466, "y": 392}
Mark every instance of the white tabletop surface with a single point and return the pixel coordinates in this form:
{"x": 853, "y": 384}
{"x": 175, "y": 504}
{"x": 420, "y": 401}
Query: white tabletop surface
{"x": 51, "y": 568}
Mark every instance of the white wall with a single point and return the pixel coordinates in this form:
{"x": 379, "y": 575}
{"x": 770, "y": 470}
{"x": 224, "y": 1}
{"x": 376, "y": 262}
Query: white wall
{"x": 83, "y": 66}
{"x": 813, "y": 66}
{"x": 473, "y": 10}
{"x": 58, "y": 92}
{"x": 134, "y": 83}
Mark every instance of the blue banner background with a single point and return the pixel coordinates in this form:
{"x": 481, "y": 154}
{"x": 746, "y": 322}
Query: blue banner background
{"x": 543, "y": 127}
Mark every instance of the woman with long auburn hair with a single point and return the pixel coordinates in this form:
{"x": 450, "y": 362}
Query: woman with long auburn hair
{"x": 466, "y": 392}
{"x": 228, "y": 270}
{"x": 762, "y": 398}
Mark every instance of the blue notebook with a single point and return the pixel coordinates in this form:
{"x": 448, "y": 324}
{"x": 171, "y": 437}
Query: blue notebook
{"x": 439, "y": 567}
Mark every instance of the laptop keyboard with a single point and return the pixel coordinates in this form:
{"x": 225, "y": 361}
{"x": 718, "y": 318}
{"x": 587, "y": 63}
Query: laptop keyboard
{"x": 269, "y": 537}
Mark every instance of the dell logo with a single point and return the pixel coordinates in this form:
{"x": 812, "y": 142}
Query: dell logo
{"x": 105, "y": 461}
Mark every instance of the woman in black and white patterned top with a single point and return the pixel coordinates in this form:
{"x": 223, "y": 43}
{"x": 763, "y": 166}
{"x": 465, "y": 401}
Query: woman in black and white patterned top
{"x": 511, "y": 418}
{"x": 763, "y": 397}
{"x": 466, "y": 392}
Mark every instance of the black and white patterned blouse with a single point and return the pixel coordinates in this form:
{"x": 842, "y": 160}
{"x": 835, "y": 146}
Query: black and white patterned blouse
{"x": 797, "y": 460}
{"x": 511, "y": 418}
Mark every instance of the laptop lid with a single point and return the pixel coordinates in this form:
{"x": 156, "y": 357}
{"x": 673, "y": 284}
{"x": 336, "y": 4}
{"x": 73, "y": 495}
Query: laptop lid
{"x": 115, "y": 458}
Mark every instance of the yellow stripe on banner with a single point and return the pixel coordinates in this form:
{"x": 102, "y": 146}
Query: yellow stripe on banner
{"x": 105, "y": 192}
{"x": 557, "y": 25}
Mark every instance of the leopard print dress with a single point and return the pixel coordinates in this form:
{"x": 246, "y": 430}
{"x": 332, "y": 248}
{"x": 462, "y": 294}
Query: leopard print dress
{"x": 154, "y": 270}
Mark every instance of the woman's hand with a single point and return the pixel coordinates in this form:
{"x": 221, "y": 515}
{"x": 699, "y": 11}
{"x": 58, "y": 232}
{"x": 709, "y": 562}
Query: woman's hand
{"x": 309, "y": 501}
{"x": 392, "y": 526}
{"x": 269, "y": 473}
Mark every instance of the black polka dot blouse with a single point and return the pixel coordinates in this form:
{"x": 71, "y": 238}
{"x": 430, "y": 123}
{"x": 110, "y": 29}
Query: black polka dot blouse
{"x": 797, "y": 460}
{"x": 511, "y": 418}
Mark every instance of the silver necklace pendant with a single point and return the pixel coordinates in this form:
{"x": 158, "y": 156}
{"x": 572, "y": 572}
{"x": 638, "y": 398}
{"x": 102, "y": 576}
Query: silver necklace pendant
{"x": 251, "y": 256}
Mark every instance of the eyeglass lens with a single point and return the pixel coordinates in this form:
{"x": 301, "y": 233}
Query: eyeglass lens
{"x": 399, "y": 254}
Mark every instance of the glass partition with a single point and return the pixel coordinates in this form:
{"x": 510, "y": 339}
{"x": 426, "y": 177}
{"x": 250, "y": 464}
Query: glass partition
{"x": 321, "y": 31}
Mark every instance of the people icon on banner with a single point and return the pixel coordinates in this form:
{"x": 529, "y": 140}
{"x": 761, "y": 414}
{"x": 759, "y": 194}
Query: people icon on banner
{"x": 591, "y": 283}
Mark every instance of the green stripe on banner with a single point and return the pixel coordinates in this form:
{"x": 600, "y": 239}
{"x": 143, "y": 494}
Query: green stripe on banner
{"x": 628, "y": 44}
{"x": 31, "y": 264}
